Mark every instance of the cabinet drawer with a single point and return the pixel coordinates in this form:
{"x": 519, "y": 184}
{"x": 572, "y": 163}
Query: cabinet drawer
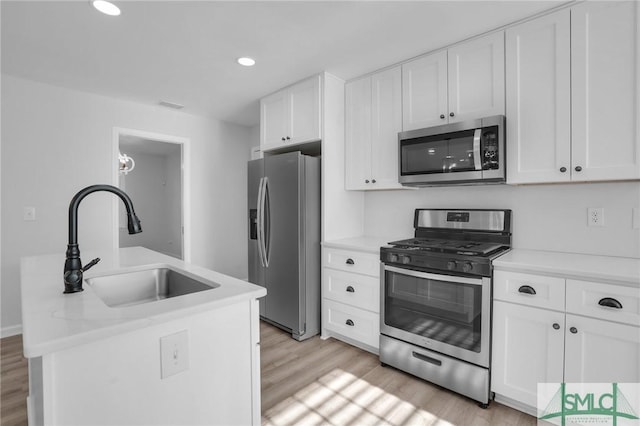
{"x": 587, "y": 298}
{"x": 362, "y": 291}
{"x": 353, "y": 323}
{"x": 352, "y": 261}
{"x": 519, "y": 288}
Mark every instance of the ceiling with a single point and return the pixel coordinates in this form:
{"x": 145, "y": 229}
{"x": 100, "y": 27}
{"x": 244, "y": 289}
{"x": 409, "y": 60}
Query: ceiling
{"x": 185, "y": 51}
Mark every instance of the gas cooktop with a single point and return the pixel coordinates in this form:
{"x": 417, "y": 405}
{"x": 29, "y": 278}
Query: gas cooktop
{"x": 449, "y": 246}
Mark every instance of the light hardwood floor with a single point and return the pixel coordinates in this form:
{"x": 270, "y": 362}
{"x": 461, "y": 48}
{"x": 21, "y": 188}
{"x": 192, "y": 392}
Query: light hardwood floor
{"x": 313, "y": 382}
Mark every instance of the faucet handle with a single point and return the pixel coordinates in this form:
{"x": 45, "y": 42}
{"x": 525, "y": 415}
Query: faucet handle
{"x": 90, "y": 264}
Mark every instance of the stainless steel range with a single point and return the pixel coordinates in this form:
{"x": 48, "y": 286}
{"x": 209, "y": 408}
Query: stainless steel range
{"x": 435, "y": 318}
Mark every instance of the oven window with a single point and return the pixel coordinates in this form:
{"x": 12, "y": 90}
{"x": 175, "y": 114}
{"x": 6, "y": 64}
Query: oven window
{"x": 438, "y": 154}
{"x": 439, "y": 310}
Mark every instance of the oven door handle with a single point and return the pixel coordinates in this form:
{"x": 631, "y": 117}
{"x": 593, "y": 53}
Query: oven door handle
{"x": 446, "y": 278}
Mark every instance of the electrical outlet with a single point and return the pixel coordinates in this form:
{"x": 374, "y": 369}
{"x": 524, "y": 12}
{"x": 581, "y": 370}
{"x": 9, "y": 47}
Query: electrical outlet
{"x": 29, "y": 213}
{"x": 174, "y": 354}
{"x": 595, "y": 216}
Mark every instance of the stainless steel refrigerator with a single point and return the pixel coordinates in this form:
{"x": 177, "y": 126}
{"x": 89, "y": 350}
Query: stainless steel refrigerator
{"x": 284, "y": 240}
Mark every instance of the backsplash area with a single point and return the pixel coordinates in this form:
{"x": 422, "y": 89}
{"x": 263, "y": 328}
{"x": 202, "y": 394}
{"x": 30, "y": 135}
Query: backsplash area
{"x": 545, "y": 217}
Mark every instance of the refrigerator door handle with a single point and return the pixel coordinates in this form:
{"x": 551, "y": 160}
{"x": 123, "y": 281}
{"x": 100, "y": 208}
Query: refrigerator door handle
{"x": 260, "y": 221}
{"x": 266, "y": 223}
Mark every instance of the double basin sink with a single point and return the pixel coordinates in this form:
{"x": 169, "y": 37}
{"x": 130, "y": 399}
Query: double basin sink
{"x": 146, "y": 286}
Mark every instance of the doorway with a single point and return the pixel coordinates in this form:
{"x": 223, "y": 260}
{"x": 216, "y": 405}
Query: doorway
{"x": 150, "y": 168}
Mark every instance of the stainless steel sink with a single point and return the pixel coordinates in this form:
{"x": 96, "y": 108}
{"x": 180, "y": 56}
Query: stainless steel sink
{"x": 134, "y": 288}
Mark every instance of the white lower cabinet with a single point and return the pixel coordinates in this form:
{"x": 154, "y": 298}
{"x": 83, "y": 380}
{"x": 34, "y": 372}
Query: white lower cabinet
{"x": 592, "y": 337}
{"x": 527, "y": 349}
{"x": 599, "y": 351}
{"x": 351, "y": 297}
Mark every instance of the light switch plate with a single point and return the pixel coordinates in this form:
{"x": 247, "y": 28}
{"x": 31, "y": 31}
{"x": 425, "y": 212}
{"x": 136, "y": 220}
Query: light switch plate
{"x": 174, "y": 354}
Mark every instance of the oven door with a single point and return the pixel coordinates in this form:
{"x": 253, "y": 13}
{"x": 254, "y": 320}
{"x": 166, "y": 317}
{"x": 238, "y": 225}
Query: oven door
{"x": 444, "y": 313}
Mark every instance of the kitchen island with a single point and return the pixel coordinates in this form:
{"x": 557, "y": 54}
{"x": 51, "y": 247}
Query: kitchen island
{"x": 192, "y": 359}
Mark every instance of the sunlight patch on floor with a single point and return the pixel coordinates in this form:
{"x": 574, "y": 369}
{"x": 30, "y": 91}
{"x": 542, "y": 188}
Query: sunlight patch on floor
{"x": 340, "y": 398}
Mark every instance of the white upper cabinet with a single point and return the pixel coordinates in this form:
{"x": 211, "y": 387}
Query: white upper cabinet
{"x": 291, "y": 116}
{"x": 373, "y": 120}
{"x": 424, "y": 92}
{"x": 539, "y": 100}
{"x": 573, "y": 95}
{"x": 476, "y": 78}
{"x": 605, "y": 67}
{"x": 358, "y": 133}
{"x": 464, "y": 82}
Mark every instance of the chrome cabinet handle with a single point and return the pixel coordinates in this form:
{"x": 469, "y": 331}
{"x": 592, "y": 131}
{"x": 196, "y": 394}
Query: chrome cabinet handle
{"x": 442, "y": 116}
{"x": 610, "y": 302}
{"x": 451, "y": 114}
{"x": 366, "y": 181}
{"x": 563, "y": 169}
{"x": 349, "y": 323}
{"x": 373, "y": 181}
{"x": 573, "y": 330}
{"x": 578, "y": 168}
{"x": 283, "y": 138}
{"x": 527, "y": 289}
{"x": 350, "y": 289}
{"x": 556, "y": 326}
{"x": 350, "y": 262}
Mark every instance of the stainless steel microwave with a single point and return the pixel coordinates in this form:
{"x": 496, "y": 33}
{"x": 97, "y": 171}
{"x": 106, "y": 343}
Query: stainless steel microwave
{"x": 468, "y": 152}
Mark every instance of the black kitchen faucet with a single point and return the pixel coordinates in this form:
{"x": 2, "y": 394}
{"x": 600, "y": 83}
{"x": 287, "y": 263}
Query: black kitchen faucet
{"x": 73, "y": 268}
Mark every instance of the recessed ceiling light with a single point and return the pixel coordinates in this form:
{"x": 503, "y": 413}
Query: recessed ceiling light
{"x": 106, "y": 7}
{"x": 247, "y": 62}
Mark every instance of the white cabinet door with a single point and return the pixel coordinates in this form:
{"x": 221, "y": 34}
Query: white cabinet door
{"x": 386, "y": 121}
{"x": 476, "y": 78}
{"x": 527, "y": 349}
{"x": 605, "y": 85}
{"x": 358, "y": 134}
{"x": 424, "y": 92}
{"x": 601, "y": 351}
{"x": 273, "y": 120}
{"x": 539, "y": 100}
{"x": 304, "y": 111}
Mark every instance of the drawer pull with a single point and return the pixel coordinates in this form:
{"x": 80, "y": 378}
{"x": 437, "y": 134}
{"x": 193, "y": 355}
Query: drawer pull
{"x": 610, "y": 303}
{"x": 349, "y": 323}
{"x": 556, "y": 326}
{"x": 527, "y": 289}
{"x": 425, "y": 358}
{"x": 573, "y": 330}
{"x": 350, "y": 290}
{"x": 350, "y": 261}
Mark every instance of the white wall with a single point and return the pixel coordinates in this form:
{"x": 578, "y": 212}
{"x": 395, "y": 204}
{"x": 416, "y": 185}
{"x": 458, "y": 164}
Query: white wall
{"x": 57, "y": 141}
{"x": 154, "y": 187}
{"x": 545, "y": 217}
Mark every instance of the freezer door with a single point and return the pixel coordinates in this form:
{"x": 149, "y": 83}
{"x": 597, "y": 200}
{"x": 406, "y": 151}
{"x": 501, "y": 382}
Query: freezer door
{"x": 256, "y": 270}
{"x": 284, "y": 176}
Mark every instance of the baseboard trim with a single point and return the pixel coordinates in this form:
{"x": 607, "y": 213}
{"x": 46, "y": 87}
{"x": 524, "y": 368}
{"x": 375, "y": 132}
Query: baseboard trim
{"x": 10, "y": 331}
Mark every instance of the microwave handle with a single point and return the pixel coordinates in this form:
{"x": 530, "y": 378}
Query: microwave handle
{"x": 476, "y": 149}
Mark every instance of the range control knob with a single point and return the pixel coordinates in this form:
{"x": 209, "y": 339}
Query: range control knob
{"x": 406, "y": 259}
{"x": 467, "y": 267}
{"x": 393, "y": 258}
{"x": 451, "y": 265}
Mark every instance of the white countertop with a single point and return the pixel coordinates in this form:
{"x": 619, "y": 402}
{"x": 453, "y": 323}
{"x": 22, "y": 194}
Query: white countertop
{"x": 361, "y": 243}
{"x": 53, "y": 321}
{"x": 606, "y": 269}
